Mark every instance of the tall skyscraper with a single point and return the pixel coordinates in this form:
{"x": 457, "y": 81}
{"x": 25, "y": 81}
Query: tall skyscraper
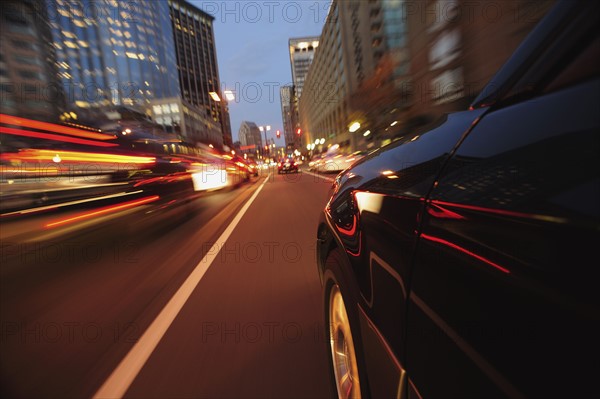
{"x": 288, "y": 114}
{"x": 198, "y": 67}
{"x": 28, "y": 79}
{"x": 302, "y": 52}
{"x": 110, "y": 55}
{"x": 154, "y": 64}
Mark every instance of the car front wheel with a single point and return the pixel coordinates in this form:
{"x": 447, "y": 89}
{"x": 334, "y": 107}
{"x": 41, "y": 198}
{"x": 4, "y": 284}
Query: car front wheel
{"x": 343, "y": 353}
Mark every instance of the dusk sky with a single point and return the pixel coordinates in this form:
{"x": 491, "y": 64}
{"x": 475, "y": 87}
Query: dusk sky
{"x": 252, "y": 50}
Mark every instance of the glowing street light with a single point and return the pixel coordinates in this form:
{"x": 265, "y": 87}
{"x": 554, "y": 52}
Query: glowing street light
{"x": 229, "y": 95}
{"x": 322, "y": 141}
{"x": 365, "y": 134}
{"x": 214, "y": 96}
{"x": 354, "y": 127}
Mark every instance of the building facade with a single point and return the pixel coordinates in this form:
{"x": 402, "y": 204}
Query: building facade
{"x": 457, "y": 47}
{"x": 112, "y": 55}
{"x": 289, "y": 115}
{"x": 250, "y": 135}
{"x": 28, "y": 78}
{"x": 360, "y": 65}
{"x": 302, "y": 52}
{"x": 186, "y": 120}
{"x": 158, "y": 60}
{"x": 198, "y": 68}
{"x": 392, "y": 66}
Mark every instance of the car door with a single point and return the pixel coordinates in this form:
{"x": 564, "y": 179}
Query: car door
{"x": 503, "y": 297}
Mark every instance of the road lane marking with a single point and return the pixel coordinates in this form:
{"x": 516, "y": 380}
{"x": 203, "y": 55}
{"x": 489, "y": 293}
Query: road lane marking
{"x": 319, "y": 175}
{"x": 123, "y": 376}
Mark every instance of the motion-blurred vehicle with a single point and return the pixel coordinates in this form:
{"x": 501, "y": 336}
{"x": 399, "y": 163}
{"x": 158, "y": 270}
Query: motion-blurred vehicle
{"x": 334, "y": 161}
{"x": 252, "y": 166}
{"x": 287, "y": 165}
{"x": 330, "y": 162}
{"x": 459, "y": 261}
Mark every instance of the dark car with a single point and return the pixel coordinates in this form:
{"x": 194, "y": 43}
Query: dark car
{"x": 461, "y": 262}
{"x": 287, "y": 165}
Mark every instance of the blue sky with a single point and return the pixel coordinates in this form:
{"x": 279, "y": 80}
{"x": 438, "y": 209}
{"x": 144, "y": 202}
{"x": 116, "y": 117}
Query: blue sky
{"x": 252, "y": 50}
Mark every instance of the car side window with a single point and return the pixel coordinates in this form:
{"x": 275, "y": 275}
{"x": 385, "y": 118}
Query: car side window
{"x": 583, "y": 67}
{"x": 570, "y": 58}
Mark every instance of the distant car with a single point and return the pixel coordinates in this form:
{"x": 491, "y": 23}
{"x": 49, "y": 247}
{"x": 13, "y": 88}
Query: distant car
{"x": 287, "y": 165}
{"x": 459, "y": 261}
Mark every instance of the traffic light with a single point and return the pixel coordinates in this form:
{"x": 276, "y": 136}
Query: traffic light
{"x": 299, "y": 132}
{"x": 278, "y": 134}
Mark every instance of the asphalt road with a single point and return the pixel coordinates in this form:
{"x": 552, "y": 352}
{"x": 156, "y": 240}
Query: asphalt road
{"x": 165, "y": 307}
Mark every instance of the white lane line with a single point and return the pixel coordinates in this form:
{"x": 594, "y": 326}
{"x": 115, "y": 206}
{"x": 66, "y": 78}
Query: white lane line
{"x": 123, "y": 376}
{"x": 319, "y": 175}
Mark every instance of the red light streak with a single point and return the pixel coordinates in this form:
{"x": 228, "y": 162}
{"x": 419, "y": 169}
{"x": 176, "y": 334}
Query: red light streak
{"x": 14, "y": 120}
{"x": 466, "y": 251}
{"x": 102, "y": 211}
{"x": 488, "y": 210}
{"x": 439, "y": 212}
{"x": 76, "y": 157}
{"x": 48, "y": 136}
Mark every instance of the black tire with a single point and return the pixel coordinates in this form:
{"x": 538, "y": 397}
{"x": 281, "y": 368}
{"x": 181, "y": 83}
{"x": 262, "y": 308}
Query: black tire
{"x": 338, "y": 286}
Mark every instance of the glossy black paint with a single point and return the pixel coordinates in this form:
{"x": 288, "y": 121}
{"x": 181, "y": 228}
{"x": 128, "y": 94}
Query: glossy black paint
{"x": 472, "y": 247}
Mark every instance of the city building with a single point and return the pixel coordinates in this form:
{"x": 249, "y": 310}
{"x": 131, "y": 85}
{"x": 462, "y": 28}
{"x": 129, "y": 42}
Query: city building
{"x": 456, "y": 48}
{"x": 358, "y": 70}
{"x": 289, "y": 115}
{"x": 302, "y": 52}
{"x": 389, "y": 67}
{"x": 112, "y": 56}
{"x": 158, "y": 60}
{"x": 28, "y": 78}
{"x": 187, "y": 121}
{"x": 198, "y": 69}
{"x": 250, "y": 137}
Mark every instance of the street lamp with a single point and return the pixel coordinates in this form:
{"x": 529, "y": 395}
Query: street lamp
{"x": 229, "y": 95}
{"x": 354, "y": 127}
